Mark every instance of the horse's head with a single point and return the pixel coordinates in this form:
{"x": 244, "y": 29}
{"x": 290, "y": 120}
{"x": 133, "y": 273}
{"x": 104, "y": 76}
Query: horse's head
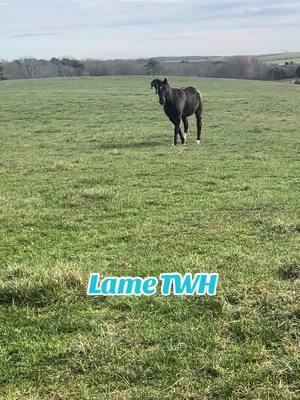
{"x": 162, "y": 91}
{"x": 153, "y": 83}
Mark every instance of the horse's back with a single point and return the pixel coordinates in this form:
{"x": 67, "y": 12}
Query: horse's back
{"x": 192, "y": 91}
{"x": 193, "y": 100}
{"x": 183, "y": 102}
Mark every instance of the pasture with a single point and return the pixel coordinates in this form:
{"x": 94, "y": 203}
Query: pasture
{"x": 281, "y": 58}
{"x": 89, "y": 182}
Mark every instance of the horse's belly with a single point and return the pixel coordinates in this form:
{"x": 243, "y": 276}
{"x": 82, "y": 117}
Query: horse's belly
{"x": 189, "y": 109}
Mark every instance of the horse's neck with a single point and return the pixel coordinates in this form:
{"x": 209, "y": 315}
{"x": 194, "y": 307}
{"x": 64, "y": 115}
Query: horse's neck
{"x": 169, "y": 95}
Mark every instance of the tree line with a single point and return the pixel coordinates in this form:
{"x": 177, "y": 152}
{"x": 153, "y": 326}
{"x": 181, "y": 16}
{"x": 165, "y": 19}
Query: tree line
{"x": 238, "y": 67}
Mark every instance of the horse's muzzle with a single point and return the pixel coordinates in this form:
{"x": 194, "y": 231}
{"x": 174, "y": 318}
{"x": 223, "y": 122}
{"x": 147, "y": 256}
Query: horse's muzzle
{"x": 161, "y": 102}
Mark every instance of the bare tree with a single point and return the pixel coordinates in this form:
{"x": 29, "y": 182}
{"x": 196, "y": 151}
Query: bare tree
{"x": 2, "y": 76}
{"x": 229, "y": 67}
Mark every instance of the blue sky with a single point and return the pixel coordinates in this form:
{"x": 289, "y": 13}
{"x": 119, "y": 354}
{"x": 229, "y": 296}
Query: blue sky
{"x": 140, "y": 28}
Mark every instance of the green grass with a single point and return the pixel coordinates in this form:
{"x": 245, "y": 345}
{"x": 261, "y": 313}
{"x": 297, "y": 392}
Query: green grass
{"x": 90, "y": 183}
{"x": 281, "y": 61}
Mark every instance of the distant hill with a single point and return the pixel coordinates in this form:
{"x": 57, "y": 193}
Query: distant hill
{"x": 274, "y": 58}
{"x": 281, "y": 58}
{"x": 180, "y": 58}
{"x": 184, "y": 58}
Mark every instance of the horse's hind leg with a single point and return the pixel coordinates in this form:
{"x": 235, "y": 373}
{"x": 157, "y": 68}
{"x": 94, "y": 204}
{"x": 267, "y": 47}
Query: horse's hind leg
{"x": 186, "y": 126}
{"x": 198, "y": 114}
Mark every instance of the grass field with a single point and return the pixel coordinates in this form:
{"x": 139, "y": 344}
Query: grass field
{"x": 281, "y": 58}
{"x": 283, "y": 61}
{"x": 89, "y": 182}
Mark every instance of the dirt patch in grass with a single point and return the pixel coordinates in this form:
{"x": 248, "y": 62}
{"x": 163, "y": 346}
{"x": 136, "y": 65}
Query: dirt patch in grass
{"x": 289, "y": 271}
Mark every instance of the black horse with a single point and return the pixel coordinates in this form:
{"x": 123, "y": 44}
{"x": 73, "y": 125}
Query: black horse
{"x": 180, "y": 104}
{"x": 156, "y": 84}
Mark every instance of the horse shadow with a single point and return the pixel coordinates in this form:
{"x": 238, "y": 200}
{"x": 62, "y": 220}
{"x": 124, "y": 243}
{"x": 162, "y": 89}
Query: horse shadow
{"x": 138, "y": 145}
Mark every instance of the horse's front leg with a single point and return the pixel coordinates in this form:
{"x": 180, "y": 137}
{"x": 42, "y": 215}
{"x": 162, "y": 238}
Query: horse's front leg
{"x": 177, "y": 130}
{"x": 182, "y": 138}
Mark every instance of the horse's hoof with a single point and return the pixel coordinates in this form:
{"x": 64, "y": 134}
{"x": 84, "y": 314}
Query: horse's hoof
{"x": 198, "y": 141}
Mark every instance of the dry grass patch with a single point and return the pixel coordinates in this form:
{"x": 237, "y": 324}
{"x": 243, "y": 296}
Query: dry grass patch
{"x": 23, "y": 286}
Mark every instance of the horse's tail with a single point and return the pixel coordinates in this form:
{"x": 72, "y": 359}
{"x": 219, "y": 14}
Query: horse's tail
{"x": 200, "y": 100}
